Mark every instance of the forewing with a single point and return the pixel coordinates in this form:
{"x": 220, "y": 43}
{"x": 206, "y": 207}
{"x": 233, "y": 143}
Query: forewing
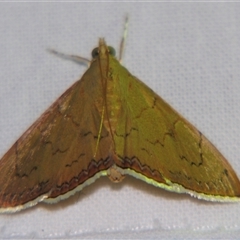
{"x": 159, "y": 146}
{"x": 56, "y": 154}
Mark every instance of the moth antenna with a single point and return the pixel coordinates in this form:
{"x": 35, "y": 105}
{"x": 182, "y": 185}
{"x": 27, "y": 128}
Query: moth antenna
{"x": 123, "y": 41}
{"x": 73, "y": 58}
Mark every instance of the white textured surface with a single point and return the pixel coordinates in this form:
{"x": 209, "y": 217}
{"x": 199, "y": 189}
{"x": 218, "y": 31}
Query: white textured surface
{"x": 189, "y": 53}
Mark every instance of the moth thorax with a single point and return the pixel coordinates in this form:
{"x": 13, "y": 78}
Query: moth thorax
{"x": 115, "y": 174}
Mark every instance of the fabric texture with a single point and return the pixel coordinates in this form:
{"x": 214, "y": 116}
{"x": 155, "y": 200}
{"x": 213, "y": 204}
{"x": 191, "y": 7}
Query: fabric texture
{"x": 187, "y": 52}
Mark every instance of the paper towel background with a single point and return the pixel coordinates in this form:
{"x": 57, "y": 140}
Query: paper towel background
{"x": 189, "y": 53}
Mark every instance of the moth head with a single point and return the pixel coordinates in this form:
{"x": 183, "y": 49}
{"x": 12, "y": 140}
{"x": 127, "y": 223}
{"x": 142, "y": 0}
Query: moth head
{"x": 95, "y": 52}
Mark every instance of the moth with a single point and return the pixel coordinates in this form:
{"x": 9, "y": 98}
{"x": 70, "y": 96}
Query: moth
{"x": 109, "y": 123}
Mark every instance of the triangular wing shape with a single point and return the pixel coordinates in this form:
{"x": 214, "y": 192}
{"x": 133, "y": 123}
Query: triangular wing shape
{"x": 156, "y": 144}
{"x": 63, "y": 151}
{"x": 110, "y": 123}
